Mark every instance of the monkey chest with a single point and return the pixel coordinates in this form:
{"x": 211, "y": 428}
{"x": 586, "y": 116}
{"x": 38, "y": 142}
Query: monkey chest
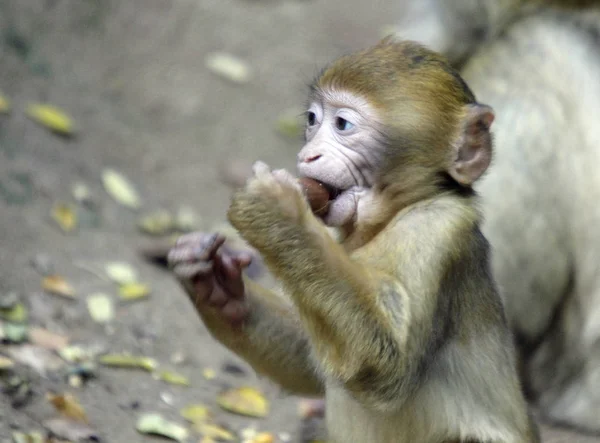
{"x": 348, "y": 421}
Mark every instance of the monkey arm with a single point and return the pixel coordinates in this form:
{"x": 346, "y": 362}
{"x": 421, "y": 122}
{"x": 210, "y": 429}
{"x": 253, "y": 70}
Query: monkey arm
{"x": 271, "y": 341}
{"x": 367, "y": 329}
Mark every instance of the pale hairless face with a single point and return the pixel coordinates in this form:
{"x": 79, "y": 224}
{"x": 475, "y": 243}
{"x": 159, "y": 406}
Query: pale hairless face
{"x": 343, "y": 150}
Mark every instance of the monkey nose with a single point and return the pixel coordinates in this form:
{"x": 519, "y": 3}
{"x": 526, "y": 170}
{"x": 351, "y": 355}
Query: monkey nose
{"x": 312, "y": 158}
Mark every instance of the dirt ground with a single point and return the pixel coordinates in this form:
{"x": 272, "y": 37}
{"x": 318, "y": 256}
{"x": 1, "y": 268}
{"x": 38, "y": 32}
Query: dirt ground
{"x": 133, "y": 77}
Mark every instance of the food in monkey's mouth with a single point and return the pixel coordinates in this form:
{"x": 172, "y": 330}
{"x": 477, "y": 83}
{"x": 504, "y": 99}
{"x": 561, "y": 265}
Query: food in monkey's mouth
{"x": 318, "y": 194}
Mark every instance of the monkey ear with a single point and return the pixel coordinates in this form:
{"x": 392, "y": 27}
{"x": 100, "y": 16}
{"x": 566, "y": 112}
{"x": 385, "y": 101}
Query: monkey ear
{"x": 473, "y": 148}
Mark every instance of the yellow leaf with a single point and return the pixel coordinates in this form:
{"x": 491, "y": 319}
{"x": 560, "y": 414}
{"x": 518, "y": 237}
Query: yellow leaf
{"x": 209, "y": 373}
{"x": 156, "y": 424}
{"x": 196, "y": 413}
{"x": 15, "y": 314}
{"x": 65, "y": 215}
{"x": 121, "y": 272}
{"x": 100, "y": 307}
{"x": 121, "y": 189}
{"x": 69, "y": 406}
{"x": 264, "y": 437}
{"x": 6, "y": 363}
{"x": 4, "y": 104}
{"x": 173, "y": 378}
{"x": 51, "y": 117}
{"x": 157, "y": 223}
{"x": 214, "y": 431}
{"x": 228, "y": 66}
{"x": 133, "y": 291}
{"x": 55, "y": 284}
{"x": 128, "y": 361}
{"x": 244, "y": 401}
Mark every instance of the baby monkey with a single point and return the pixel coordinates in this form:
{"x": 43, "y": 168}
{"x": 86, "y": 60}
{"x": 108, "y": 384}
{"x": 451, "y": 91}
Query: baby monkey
{"x": 397, "y": 322}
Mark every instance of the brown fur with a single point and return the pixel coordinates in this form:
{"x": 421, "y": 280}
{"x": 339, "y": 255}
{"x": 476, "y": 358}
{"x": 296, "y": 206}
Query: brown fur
{"x": 400, "y": 324}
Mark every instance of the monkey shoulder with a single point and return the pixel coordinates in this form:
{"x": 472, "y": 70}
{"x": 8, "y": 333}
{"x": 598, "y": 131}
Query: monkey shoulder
{"x": 441, "y": 230}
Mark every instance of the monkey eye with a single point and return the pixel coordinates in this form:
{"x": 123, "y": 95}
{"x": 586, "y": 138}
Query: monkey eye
{"x": 311, "y": 118}
{"x": 342, "y": 124}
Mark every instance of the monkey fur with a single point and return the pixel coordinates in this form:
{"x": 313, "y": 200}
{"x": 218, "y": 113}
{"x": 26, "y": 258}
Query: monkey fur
{"x": 538, "y": 64}
{"x": 398, "y": 324}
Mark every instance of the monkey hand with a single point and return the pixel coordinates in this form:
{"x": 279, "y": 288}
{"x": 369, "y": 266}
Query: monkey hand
{"x": 270, "y": 199}
{"x": 211, "y": 275}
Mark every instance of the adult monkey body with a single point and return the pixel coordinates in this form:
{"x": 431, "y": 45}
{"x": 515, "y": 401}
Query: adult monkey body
{"x": 538, "y": 64}
{"x": 399, "y": 324}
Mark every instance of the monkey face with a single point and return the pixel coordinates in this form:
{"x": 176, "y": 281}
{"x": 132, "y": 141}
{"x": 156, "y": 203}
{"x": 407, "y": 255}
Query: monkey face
{"x": 342, "y": 150}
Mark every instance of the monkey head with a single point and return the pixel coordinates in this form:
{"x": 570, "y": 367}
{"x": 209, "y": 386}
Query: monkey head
{"x": 396, "y": 120}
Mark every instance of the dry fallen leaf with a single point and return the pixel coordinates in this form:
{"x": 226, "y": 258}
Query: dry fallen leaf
{"x": 196, "y": 413}
{"x": 209, "y": 373}
{"x": 156, "y": 424}
{"x": 16, "y": 314}
{"x": 55, "y": 284}
{"x": 133, "y": 291}
{"x": 51, "y": 117}
{"x": 29, "y": 437}
{"x": 78, "y": 354}
{"x": 71, "y": 430}
{"x": 263, "y": 437}
{"x": 228, "y": 66}
{"x": 6, "y": 363}
{"x": 214, "y": 431}
{"x": 4, "y": 104}
{"x": 65, "y": 215}
{"x": 47, "y": 339}
{"x": 68, "y": 405}
{"x": 121, "y": 272}
{"x": 13, "y": 332}
{"x": 36, "y": 357}
{"x": 248, "y": 433}
{"x": 121, "y": 189}
{"x": 244, "y": 401}
{"x": 158, "y": 223}
{"x": 167, "y": 397}
{"x": 81, "y": 192}
{"x": 128, "y": 361}
{"x": 173, "y": 378}
{"x": 100, "y": 307}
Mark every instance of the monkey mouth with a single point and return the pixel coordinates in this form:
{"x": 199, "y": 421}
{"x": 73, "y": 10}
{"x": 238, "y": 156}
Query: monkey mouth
{"x": 332, "y": 190}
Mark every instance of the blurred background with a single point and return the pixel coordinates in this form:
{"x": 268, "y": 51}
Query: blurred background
{"x": 122, "y": 122}
{"x": 136, "y": 87}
